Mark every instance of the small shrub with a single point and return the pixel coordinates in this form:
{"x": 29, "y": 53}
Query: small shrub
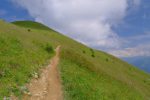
{"x": 84, "y": 51}
{"x": 92, "y": 50}
{"x": 93, "y": 53}
{"x": 29, "y": 30}
{"x": 107, "y": 59}
{"x": 49, "y": 48}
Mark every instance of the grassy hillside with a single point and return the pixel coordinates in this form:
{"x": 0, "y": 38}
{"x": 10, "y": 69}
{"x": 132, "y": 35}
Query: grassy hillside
{"x": 22, "y": 53}
{"x": 30, "y": 24}
{"x": 86, "y": 74}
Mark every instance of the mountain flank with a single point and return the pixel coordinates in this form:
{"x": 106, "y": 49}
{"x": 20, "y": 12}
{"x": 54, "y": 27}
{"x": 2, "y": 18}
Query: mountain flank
{"x": 85, "y": 73}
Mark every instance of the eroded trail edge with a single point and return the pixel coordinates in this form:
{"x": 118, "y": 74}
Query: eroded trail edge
{"x": 48, "y": 86}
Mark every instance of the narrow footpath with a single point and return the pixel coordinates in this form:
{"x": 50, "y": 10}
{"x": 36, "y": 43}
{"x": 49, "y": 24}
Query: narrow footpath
{"x": 48, "y": 85}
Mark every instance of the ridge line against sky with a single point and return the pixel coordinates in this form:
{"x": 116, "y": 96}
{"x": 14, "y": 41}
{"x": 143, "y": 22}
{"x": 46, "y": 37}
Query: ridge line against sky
{"x": 119, "y": 27}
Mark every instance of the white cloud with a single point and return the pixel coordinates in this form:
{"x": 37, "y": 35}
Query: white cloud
{"x": 141, "y": 50}
{"x": 134, "y": 47}
{"x": 88, "y": 21}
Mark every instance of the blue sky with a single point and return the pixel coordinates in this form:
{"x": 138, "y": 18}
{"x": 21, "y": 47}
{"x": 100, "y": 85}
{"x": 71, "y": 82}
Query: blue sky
{"x": 121, "y": 28}
{"x": 11, "y": 12}
{"x": 137, "y": 21}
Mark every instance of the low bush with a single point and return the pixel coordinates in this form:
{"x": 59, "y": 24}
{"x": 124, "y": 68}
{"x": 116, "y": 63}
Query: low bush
{"x": 107, "y": 59}
{"x": 83, "y": 51}
{"x": 92, "y": 51}
{"x": 29, "y": 30}
{"x": 49, "y": 48}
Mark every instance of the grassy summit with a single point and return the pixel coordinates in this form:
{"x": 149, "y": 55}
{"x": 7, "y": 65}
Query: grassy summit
{"x": 86, "y": 74}
{"x": 30, "y": 24}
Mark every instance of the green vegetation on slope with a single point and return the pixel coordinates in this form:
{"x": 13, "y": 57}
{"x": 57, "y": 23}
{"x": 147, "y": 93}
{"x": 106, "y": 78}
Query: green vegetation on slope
{"x": 101, "y": 78}
{"x": 30, "y": 24}
{"x": 22, "y": 54}
{"x": 82, "y": 84}
{"x": 86, "y": 74}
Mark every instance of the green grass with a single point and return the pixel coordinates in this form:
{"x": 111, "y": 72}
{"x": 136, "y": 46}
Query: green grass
{"x": 30, "y": 24}
{"x": 21, "y": 54}
{"x": 87, "y": 74}
{"x": 83, "y": 84}
{"x": 88, "y": 78}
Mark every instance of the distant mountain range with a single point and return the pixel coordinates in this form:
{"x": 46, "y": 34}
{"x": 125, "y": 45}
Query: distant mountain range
{"x": 141, "y": 62}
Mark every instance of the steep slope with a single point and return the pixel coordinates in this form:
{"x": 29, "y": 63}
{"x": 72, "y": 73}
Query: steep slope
{"x": 22, "y": 54}
{"x": 86, "y": 74}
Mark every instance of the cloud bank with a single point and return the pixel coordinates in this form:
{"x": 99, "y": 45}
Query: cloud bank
{"x": 88, "y": 21}
{"x": 134, "y": 47}
{"x": 137, "y": 51}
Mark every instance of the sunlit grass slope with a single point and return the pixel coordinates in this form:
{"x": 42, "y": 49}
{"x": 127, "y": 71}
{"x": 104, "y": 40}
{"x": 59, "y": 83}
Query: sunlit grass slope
{"x": 86, "y": 74}
{"x": 30, "y": 24}
{"x": 22, "y": 54}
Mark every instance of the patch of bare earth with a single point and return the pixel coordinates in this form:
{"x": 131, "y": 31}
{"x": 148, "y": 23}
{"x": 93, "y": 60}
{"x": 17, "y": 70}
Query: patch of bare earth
{"x": 48, "y": 86}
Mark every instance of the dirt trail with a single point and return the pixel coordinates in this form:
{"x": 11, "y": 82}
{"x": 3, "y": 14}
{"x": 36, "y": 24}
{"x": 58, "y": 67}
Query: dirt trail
{"x": 48, "y": 86}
